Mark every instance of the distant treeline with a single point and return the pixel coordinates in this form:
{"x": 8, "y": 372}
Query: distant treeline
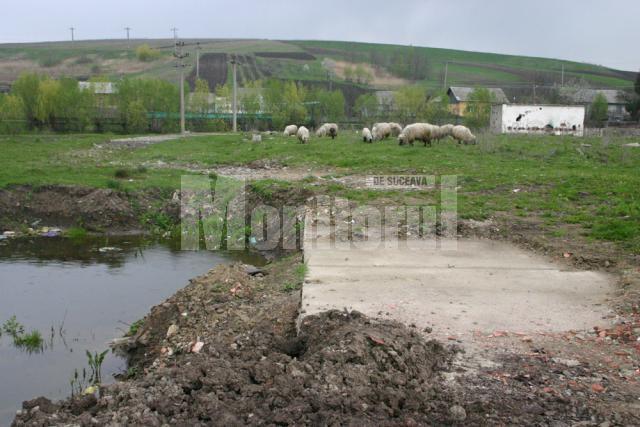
{"x": 140, "y": 105}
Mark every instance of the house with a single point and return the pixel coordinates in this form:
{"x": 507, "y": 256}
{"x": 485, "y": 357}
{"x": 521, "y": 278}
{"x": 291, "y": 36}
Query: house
{"x": 538, "y": 119}
{"x": 386, "y": 100}
{"x": 459, "y": 98}
{"x": 224, "y": 105}
{"x": 99, "y": 88}
{"x": 583, "y": 96}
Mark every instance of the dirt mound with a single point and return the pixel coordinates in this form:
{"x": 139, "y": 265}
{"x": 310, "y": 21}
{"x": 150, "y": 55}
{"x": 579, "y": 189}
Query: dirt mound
{"x": 254, "y": 369}
{"x": 342, "y": 369}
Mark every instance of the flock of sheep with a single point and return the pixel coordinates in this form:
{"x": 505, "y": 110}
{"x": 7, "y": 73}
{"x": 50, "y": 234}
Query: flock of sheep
{"x": 424, "y": 132}
{"x": 327, "y": 129}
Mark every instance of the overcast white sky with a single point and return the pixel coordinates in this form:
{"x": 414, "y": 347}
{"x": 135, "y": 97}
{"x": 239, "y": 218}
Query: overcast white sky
{"x": 602, "y": 32}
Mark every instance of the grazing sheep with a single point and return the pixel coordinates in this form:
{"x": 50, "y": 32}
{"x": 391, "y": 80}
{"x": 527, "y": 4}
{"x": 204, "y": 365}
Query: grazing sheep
{"x": 463, "y": 134}
{"x": 396, "y": 129}
{"x": 290, "y": 130}
{"x": 303, "y": 135}
{"x": 366, "y": 135}
{"x": 424, "y": 132}
{"x": 328, "y": 129}
{"x": 445, "y": 130}
{"x": 322, "y": 131}
{"x": 381, "y": 131}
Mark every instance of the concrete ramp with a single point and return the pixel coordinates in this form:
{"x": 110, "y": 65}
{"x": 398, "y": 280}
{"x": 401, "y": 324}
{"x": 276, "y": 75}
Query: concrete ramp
{"x": 472, "y": 285}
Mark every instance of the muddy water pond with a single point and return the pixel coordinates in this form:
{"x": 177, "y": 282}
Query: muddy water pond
{"x": 80, "y": 295}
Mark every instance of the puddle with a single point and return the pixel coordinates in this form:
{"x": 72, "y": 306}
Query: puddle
{"x": 79, "y": 298}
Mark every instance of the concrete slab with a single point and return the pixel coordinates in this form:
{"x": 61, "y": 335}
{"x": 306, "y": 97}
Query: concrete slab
{"x": 482, "y": 286}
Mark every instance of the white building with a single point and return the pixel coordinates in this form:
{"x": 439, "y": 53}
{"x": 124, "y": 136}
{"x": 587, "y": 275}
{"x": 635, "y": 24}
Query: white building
{"x": 538, "y": 119}
{"x": 99, "y": 88}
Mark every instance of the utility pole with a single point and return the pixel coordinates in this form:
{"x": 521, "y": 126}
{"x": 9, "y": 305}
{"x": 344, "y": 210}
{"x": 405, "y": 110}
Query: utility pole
{"x": 562, "y": 78}
{"x": 198, "y": 61}
{"x": 446, "y": 71}
{"x": 534, "y": 93}
{"x": 235, "y": 95}
{"x": 72, "y": 36}
{"x": 180, "y": 57}
{"x": 175, "y": 39}
{"x": 127, "y": 29}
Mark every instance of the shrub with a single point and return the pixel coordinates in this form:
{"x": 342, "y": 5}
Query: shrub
{"x": 478, "y": 110}
{"x": 50, "y": 61}
{"x": 12, "y": 117}
{"x": 84, "y": 59}
{"x": 136, "y": 118}
{"x": 122, "y": 173}
{"x": 114, "y": 185}
{"x": 598, "y": 113}
{"x": 145, "y": 53}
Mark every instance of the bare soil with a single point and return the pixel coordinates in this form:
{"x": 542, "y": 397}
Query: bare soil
{"x": 94, "y": 209}
{"x": 380, "y": 77}
{"x": 213, "y": 69}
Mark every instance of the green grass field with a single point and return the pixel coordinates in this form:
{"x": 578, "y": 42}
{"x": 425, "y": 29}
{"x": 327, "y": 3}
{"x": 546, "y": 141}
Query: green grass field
{"x": 563, "y": 181}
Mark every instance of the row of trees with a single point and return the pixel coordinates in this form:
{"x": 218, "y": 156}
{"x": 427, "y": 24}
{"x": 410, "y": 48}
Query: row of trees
{"x": 37, "y": 102}
{"x": 41, "y": 102}
{"x": 290, "y": 102}
{"x": 137, "y": 105}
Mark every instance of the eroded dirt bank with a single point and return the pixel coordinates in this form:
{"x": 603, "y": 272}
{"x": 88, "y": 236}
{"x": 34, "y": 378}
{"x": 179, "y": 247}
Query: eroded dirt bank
{"x": 95, "y": 209}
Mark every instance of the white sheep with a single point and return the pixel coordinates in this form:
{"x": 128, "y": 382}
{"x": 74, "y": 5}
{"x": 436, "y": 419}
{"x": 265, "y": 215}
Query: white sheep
{"x": 424, "y": 132}
{"x": 463, "y": 134}
{"x": 381, "y": 131}
{"x": 321, "y": 131}
{"x": 303, "y": 134}
{"x": 328, "y": 129}
{"x": 366, "y": 135}
{"x": 290, "y": 130}
{"x": 445, "y": 130}
{"x": 396, "y": 129}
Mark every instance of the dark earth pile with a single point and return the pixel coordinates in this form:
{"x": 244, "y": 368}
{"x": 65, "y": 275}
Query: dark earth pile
{"x": 254, "y": 369}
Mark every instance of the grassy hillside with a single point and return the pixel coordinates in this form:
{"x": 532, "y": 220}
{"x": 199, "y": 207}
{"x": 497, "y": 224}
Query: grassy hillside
{"x": 307, "y": 61}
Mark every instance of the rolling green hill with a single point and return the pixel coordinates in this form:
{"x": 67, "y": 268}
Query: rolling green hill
{"x": 384, "y": 66}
